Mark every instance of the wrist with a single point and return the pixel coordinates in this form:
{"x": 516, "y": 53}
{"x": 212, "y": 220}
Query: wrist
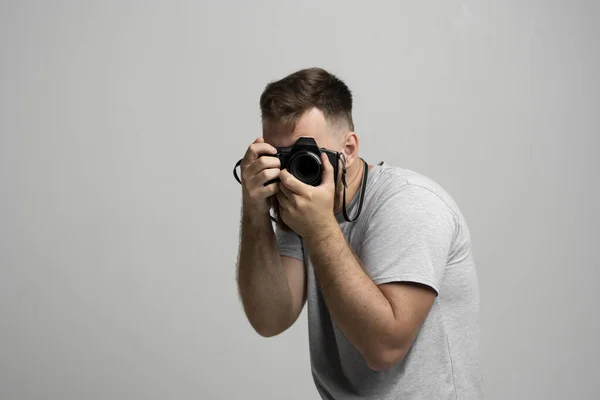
{"x": 326, "y": 230}
{"x": 255, "y": 216}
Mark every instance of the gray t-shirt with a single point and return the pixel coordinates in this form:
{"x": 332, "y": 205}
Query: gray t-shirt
{"x": 409, "y": 229}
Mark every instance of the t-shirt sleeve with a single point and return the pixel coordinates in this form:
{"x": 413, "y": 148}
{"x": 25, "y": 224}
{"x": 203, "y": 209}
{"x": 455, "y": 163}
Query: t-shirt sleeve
{"x": 289, "y": 243}
{"x": 408, "y": 237}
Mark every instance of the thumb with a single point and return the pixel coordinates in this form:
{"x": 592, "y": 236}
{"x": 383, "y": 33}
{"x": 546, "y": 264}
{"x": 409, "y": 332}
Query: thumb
{"x": 327, "y": 170}
{"x": 259, "y": 140}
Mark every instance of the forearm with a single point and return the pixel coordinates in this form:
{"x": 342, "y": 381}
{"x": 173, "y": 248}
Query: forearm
{"x": 262, "y": 281}
{"x": 357, "y": 305}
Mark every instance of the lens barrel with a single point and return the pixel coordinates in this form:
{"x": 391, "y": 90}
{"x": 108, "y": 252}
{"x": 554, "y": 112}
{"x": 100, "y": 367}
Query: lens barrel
{"x": 306, "y": 167}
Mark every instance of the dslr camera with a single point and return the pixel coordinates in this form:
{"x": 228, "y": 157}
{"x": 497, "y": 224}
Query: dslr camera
{"x": 303, "y": 161}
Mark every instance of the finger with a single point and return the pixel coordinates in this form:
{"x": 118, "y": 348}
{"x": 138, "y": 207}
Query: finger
{"x": 327, "y": 178}
{"x": 256, "y": 149}
{"x": 284, "y": 191}
{"x": 292, "y": 183}
{"x": 264, "y": 176}
{"x": 283, "y": 200}
{"x": 267, "y": 191}
{"x": 248, "y": 154}
{"x": 263, "y": 163}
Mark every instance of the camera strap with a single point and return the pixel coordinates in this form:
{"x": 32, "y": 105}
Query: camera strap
{"x": 237, "y": 164}
{"x": 363, "y": 188}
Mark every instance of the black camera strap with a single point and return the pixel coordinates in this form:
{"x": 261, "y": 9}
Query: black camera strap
{"x": 363, "y": 188}
{"x": 237, "y": 164}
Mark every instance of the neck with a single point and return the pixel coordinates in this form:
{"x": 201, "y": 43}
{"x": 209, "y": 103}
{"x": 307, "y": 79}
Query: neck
{"x": 353, "y": 179}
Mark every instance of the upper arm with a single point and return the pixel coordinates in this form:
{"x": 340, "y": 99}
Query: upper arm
{"x": 410, "y": 303}
{"x": 405, "y": 252}
{"x": 296, "y": 275}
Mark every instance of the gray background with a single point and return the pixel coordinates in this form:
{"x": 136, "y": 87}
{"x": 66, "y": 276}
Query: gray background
{"x": 121, "y": 121}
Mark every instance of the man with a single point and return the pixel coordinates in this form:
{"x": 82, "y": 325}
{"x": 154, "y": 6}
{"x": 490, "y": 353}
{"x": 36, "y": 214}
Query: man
{"x": 393, "y": 300}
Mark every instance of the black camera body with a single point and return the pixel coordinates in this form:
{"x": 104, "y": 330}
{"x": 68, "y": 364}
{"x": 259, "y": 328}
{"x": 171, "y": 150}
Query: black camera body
{"x": 303, "y": 161}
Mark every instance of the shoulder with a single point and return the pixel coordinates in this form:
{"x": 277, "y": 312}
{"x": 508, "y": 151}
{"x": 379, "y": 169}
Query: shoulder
{"x": 391, "y": 182}
{"x": 398, "y": 193}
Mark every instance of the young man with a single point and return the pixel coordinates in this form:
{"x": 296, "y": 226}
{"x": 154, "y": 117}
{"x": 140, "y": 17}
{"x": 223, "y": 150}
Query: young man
{"x": 393, "y": 300}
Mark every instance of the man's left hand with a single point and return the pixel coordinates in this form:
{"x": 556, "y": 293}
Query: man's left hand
{"x": 306, "y": 209}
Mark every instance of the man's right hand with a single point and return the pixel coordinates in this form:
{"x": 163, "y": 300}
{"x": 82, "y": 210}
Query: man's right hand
{"x": 255, "y": 172}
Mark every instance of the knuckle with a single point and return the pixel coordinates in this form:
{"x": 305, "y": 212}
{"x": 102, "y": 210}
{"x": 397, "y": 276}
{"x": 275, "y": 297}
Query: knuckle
{"x": 264, "y": 173}
{"x": 260, "y": 163}
{"x": 245, "y": 178}
{"x": 268, "y": 161}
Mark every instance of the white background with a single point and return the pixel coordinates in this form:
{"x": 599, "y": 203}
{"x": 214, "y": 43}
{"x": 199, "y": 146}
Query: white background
{"x": 121, "y": 121}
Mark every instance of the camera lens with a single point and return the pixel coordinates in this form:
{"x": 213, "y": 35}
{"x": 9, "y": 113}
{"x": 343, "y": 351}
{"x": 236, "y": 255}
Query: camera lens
{"x": 306, "y": 167}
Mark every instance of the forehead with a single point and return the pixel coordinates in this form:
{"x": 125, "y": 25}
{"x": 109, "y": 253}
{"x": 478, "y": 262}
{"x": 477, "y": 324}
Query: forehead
{"x": 312, "y": 123}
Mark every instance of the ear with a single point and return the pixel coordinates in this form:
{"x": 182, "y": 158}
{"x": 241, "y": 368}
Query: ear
{"x": 350, "y": 148}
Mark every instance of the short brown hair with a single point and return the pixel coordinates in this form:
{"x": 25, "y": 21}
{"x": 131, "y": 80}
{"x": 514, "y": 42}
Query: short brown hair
{"x": 285, "y": 100}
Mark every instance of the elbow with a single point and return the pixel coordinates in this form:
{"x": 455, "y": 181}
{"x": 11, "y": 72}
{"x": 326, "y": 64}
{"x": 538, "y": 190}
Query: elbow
{"x": 268, "y": 324}
{"x": 383, "y": 358}
{"x": 269, "y": 329}
{"x": 268, "y": 333}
